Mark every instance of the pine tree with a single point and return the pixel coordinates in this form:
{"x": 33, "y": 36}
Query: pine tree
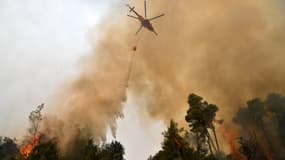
{"x": 174, "y": 146}
{"x": 200, "y": 117}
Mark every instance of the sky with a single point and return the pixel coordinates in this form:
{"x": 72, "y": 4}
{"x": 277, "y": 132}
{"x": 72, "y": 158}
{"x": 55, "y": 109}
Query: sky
{"x": 42, "y": 43}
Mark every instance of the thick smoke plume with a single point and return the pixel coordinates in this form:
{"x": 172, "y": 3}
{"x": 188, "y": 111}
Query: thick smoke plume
{"x": 226, "y": 50}
{"x": 266, "y": 119}
{"x": 90, "y": 105}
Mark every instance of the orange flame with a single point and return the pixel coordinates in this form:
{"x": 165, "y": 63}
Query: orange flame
{"x": 177, "y": 143}
{"x": 26, "y": 150}
{"x": 231, "y": 137}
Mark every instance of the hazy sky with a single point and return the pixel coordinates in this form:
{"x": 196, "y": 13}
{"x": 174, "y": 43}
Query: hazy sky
{"x": 41, "y": 43}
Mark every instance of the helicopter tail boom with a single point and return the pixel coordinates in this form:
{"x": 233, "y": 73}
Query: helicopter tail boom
{"x": 131, "y": 8}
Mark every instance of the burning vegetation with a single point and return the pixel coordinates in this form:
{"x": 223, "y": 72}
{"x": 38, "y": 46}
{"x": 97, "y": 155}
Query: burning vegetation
{"x": 199, "y": 141}
{"x": 27, "y": 149}
{"x": 33, "y": 138}
{"x": 228, "y": 51}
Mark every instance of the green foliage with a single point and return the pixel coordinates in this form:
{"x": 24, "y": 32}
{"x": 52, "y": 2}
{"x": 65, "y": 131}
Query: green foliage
{"x": 45, "y": 151}
{"x": 174, "y": 146}
{"x": 200, "y": 117}
{"x": 178, "y": 144}
{"x": 8, "y": 148}
{"x": 112, "y": 151}
{"x": 91, "y": 151}
{"x": 108, "y": 151}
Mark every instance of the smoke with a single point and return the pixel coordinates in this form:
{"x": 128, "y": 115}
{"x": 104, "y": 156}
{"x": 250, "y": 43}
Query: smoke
{"x": 225, "y": 50}
{"x": 88, "y": 106}
{"x": 266, "y": 118}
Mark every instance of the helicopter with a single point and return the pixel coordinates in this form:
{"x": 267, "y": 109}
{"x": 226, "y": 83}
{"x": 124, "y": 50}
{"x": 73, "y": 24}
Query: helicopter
{"x": 145, "y": 22}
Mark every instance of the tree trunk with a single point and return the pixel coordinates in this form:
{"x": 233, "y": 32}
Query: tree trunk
{"x": 211, "y": 140}
{"x": 210, "y": 147}
{"x": 216, "y": 139}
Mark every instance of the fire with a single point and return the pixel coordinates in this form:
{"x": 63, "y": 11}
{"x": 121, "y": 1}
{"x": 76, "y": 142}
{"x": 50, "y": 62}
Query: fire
{"x": 26, "y": 150}
{"x": 177, "y": 143}
{"x": 231, "y": 136}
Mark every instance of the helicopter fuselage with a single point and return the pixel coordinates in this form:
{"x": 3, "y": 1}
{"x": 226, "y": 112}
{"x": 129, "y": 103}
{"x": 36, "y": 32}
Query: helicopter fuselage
{"x": 145, "y": 23}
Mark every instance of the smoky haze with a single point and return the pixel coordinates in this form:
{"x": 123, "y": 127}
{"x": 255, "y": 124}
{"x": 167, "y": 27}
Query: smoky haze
{"x": 89, "y": 105}
{"x": 266, "y": 119}
{"x": 227, "y": 51}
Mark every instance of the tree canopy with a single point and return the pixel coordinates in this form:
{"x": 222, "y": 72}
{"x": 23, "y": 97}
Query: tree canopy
{"x": 263, "y": 119}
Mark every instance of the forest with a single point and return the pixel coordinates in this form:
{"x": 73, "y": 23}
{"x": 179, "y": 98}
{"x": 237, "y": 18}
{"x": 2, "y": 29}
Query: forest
{"x": 258, "y": 135}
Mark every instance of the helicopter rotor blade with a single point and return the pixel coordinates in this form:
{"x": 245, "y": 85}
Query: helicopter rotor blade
{"x": 132, "y": 16}
{"x": 156, "y": 17}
